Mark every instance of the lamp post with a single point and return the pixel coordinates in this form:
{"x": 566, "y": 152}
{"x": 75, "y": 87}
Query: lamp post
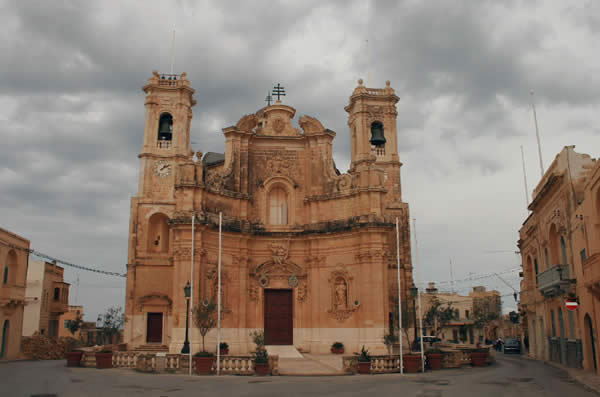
{"x": 413, "y": 293}
{"x": 186, "y": 345}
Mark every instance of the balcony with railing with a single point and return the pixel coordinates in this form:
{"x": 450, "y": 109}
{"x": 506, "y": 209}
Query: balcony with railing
{"x": 591, "y": 274}
{"x": 554, "y": 281}
{"x": 163, "y": 144}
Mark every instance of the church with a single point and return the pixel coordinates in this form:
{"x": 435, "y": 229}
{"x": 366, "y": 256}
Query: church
{"x": 309, "y": 254}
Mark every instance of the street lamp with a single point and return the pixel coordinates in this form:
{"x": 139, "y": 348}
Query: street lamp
{"x": 414, "y": 291}
{"x": 187, "y": 291}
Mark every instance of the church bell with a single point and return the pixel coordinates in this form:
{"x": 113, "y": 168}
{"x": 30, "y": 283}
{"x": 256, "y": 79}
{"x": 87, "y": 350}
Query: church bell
{"x": 165, "y": 127}
{"x": 377, "y": 138}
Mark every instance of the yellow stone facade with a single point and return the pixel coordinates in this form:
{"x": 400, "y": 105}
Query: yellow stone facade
{"x": 293, "y": 226}
{"x": 560, "y": 249}
{"x": 14, "y": 259}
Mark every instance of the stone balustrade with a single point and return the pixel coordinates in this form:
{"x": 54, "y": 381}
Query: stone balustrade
{"x": 385, "y": 364}
{"x": 125, "y": 359}
{"x": 178, "y": 363}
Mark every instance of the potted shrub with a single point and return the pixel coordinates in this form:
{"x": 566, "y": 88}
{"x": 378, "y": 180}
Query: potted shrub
{"x": 104, "y": 359}
{"x": 479, "y": 357}
{"x": 204, "y": 362}
{"x": 412, "y": 363}
{"x": 434, "y": 358}
{"x": 74, "y": 358}
{"x": 223, "y": 348}
{"x": 261, "y": 358}
{"x": 204, "y": 318}
{"x": 364, "y": 361}
{"x": 337, "y": 348}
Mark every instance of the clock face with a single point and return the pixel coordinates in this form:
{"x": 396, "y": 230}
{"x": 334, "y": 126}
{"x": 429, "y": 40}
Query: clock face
{"x": 162, "y": 168}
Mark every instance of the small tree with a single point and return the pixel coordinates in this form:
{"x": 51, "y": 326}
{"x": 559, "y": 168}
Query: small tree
{"x": 75, "y": 325}
{"x": 205, "y": 319}
{"x": 389, "y": 340}
{"x": 260, "y": 355}
{"x": 112, "y": 322}
{"x": 439, "y": 315}
{"x": 408, "y": 315}
{"x": 484, "y": 312}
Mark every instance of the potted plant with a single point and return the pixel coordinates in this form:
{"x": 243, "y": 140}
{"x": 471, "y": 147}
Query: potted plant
{"x": 104, "y": 359}
{"x": 261, "y": 357}
{"x": 412, "y": 363}
{"x": 224, "y": 348}
{"x": 337, "y": 348}
{"x": 74, "y": 356}
{"x": 479, "y": 357}
{"x": 364, "y": 361}
{"x": 204, "y": 318}
{"x": 434, "y": 358}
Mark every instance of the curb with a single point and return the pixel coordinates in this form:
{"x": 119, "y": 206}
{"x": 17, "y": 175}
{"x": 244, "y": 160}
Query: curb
{"x": 570, "y": 374}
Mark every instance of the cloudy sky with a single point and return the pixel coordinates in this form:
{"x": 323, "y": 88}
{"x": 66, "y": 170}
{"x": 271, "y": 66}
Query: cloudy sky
{"x": 72, "y": 113}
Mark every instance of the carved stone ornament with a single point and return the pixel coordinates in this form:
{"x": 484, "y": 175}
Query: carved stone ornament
{"x": 279, "y": 166}
{"x": 342, "y": 304}
{"x": 211, "y": 287}
{"x": 279, "y": 272}
{"x": 278, "y": 125}
{"x": 155, "y": 299}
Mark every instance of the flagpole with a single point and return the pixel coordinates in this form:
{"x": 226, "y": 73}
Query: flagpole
{"x": 399, "y": 296}
{"x": 537, "y": 133}
{"x": 191, "y": 295}
{"x": 525, "y": 179}
{"x": 419, "y": 295}
{"x": 219, "y": 298}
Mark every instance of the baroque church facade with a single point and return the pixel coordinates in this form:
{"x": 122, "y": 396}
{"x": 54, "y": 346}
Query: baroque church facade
{"x": 308, "y": 253}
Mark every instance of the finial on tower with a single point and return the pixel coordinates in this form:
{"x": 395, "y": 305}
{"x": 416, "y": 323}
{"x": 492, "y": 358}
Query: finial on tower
{"x": 360, "y": 82}
{"x": 268, "y": 99}
{"x": 387, "y": 83}
{"x": 278, "y": 91}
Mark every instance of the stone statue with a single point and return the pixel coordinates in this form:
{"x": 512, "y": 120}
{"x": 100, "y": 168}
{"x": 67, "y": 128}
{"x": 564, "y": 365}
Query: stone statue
{"x": 341, "y": 295}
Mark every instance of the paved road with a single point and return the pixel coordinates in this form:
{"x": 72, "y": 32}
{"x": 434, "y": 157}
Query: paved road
{"x": 511, "y": 376}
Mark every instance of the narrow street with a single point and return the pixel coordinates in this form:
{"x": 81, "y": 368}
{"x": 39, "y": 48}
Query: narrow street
{"x": 510, "y": 376}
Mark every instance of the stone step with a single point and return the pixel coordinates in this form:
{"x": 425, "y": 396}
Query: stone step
{"x": 152, "y": 348}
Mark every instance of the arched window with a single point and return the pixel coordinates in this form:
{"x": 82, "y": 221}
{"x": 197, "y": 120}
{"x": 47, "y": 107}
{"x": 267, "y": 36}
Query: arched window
{"x": 554, "y": 242}
{"x": 563, "y": 250}
{"x": 9, "y": 275}
{"x": 377, "y": 138}
{"x": 278, "y": 206}
{"x": 158, "y": 233}
{"x": 165, "y": 127}
{"x": 5, "y": 330}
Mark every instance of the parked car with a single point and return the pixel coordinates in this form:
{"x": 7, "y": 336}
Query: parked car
{"x": 512, "y": 346}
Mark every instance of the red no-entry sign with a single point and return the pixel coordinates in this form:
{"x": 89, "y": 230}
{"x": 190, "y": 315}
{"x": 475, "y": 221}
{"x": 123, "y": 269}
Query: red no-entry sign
{"x": 571, "y": 304}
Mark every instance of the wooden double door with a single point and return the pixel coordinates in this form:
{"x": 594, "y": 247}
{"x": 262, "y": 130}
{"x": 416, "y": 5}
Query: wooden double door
{"x": 279, "y": 317}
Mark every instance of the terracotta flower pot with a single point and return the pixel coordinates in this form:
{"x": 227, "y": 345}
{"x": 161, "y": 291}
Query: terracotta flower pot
{"x": 479, "y": 359}
{"x": 337, "y": 350}
{"x": 224, "y": 352}
{"x": 364, "y": 367}
{"x": 261, "y": 369}
{"x": 412, "y": 363}
{"x": 435, "y": 360}
{"x": 104, "y": 360}
{"x": 74, "y": 359}
{"x": 204, "y": 365}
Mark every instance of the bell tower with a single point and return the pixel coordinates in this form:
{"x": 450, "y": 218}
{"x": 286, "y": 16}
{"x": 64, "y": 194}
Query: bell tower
{"x": 169, "y": 102}
{"x": 373, "y": 133}
{"x": 372, "y": 121}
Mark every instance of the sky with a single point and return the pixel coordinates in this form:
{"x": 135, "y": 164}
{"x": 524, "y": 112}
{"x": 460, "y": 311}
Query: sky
{"x": 72, "y": 111}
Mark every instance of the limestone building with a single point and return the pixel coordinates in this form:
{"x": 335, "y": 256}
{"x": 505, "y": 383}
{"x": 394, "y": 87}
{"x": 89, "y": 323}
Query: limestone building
{"x": 47, "y": 299}
{"x": 559, "y": 244}
{"x": 14, "y": 259}
{"x": 309, "y": 253}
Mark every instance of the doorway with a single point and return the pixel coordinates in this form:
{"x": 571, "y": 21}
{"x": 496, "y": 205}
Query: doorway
{"x": 279, "y": 322}
{"x": 154, "y": 329}
{"x": 5, "y": 329}
{"x": 589, "y": 329}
